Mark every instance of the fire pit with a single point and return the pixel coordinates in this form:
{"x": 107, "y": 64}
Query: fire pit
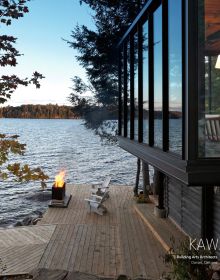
{"x": 59, "y": 197}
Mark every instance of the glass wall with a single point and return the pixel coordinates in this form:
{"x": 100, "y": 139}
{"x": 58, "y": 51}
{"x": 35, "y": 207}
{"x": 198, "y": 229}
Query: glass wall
{"x": 128, "y": 92}
{"x": 156, "y": 103}
{"x": 145, "y": 85}
{"x": 122, "y": 93}
{"x": 209, "y": 79}
{"x": 158, "y": 92}
{"x": 136, "y": 86}
{"x": 175, "y": 74}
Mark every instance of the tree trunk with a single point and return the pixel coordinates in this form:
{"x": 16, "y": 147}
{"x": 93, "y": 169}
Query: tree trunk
{"x": 146, "y": 178}
{"x": 137, "y": 177}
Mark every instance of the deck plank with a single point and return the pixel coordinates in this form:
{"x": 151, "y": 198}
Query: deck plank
{"x": 21, "y": 248}
{"x": 74, "y": 239}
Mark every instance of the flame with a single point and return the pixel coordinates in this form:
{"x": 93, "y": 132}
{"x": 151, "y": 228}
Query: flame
{"x": 59, "y": 179}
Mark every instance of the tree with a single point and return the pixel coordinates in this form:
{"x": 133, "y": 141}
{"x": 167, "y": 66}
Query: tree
{"x": 9, "y": 144}
{"x": 8, "y": 53}
{"x": 97, "y": 52}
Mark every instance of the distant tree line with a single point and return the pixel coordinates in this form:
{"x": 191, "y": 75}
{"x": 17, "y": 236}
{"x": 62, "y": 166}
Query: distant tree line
{"x": 31, "y": 111}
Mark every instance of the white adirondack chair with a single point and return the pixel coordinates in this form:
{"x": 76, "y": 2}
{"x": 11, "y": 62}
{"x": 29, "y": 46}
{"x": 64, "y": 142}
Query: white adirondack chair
{"x": 95, "y": 203}
{"x": 101, "y": 189}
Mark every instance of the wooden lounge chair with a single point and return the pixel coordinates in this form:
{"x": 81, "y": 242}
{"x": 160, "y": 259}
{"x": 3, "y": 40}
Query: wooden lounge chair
{"x": 95, "y": 203}
{"x": 100, "y": 189}
{"x": 212, "y": 128}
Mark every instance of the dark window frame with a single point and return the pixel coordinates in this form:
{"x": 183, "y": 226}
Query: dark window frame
{"x": 189, "y": 168}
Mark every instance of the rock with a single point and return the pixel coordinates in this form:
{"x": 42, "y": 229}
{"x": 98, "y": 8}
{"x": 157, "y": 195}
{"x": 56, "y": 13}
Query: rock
{"x": 27, "y": 221}
{"x": 40, "y": 196}
{"x": 30, "y": 220}
{"x": 18, "y": 224}
{"x": 36, "y": 220}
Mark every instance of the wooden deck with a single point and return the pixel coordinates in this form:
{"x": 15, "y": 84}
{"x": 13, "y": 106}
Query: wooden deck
{"x": 21, "y": 248}
{"x": 120, "y": 242}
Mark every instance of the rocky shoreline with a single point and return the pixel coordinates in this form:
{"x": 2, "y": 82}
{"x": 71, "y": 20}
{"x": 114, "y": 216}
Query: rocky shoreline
{"x": 40, "y": 196}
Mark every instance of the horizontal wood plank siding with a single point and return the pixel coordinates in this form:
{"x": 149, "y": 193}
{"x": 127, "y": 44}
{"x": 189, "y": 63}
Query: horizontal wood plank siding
{"x": 191, "y": 210}
{"x": 184, "y": 206}
{"x": 216, "y": 215}
{"x": 174, "y": 200}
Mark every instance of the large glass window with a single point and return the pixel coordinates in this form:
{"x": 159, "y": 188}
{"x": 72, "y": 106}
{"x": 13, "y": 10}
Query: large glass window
{"x": 175, "y": 74}
{"x": 136, "y": 87}
{"x": 158, "y": 93}
{"x": 209, "y": 65}
{"x": 128, "y": 92}
{"x": 145, "y": 85}
{"x": 122, "y": 92}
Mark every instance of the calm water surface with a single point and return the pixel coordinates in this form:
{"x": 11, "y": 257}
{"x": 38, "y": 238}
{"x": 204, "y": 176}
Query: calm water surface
{"x": 54, "y": 145}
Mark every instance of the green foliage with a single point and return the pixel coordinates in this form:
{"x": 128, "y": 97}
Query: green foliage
{"x": 185, "y": 268}
{"x": 8, "y": 53}
{"x": 9, "y": 145}
{"x": 97, "y": 50}
{"x": 11, "y": 9}
{"x": 97, "y": 54}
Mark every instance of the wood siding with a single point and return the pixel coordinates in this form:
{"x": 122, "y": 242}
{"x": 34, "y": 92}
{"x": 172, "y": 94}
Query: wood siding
{"x": 184, "y": 206}
{"x": 216, "y": 215}
{"x": 191, "y": 210}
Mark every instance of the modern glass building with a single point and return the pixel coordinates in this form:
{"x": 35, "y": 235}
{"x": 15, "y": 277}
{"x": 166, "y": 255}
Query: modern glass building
{"x": 169, "y": 105}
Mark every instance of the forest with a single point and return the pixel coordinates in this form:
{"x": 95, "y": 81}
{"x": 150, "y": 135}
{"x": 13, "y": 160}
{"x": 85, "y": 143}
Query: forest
{"x": 30, "y": 111}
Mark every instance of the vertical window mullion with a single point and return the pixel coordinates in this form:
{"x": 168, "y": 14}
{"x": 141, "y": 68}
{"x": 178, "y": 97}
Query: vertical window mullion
{"x": 165, "y": 105}
{"x": 183, "y": 79}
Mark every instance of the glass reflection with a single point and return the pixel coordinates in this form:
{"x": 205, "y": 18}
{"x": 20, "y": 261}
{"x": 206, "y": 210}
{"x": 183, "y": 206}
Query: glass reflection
{"x": 175, "y": 75}
{"x": 145, "y": 84}
{"x": 122, "y": 94}
{"x": 128, "y": 92}
{"x": 158, "y": 77}
{"x": 209, "y": 96}
{"x": 136, "y": 87}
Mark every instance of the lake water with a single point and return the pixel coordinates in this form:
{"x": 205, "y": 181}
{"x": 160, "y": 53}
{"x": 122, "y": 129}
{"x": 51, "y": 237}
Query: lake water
{"x": 54, "y": 145}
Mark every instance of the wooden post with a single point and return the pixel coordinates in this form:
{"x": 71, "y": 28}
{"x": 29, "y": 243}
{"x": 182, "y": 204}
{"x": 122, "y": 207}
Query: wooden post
{"x": 156, "y": 181}
{"x": 146, "y": 178}
{"x": 161, "y": 191}
{"x": 137, "y": 177}
{"x": 159, "y": 210}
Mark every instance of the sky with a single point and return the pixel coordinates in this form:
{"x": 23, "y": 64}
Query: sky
{"x": 40, "y": 34}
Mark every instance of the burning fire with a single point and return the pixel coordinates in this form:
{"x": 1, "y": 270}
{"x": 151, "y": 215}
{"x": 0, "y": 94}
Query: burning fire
{"x": 59, "y": 179}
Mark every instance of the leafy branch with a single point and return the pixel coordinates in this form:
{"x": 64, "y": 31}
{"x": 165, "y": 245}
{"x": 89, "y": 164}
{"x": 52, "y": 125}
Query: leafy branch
{"x": 9, "y": 145}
